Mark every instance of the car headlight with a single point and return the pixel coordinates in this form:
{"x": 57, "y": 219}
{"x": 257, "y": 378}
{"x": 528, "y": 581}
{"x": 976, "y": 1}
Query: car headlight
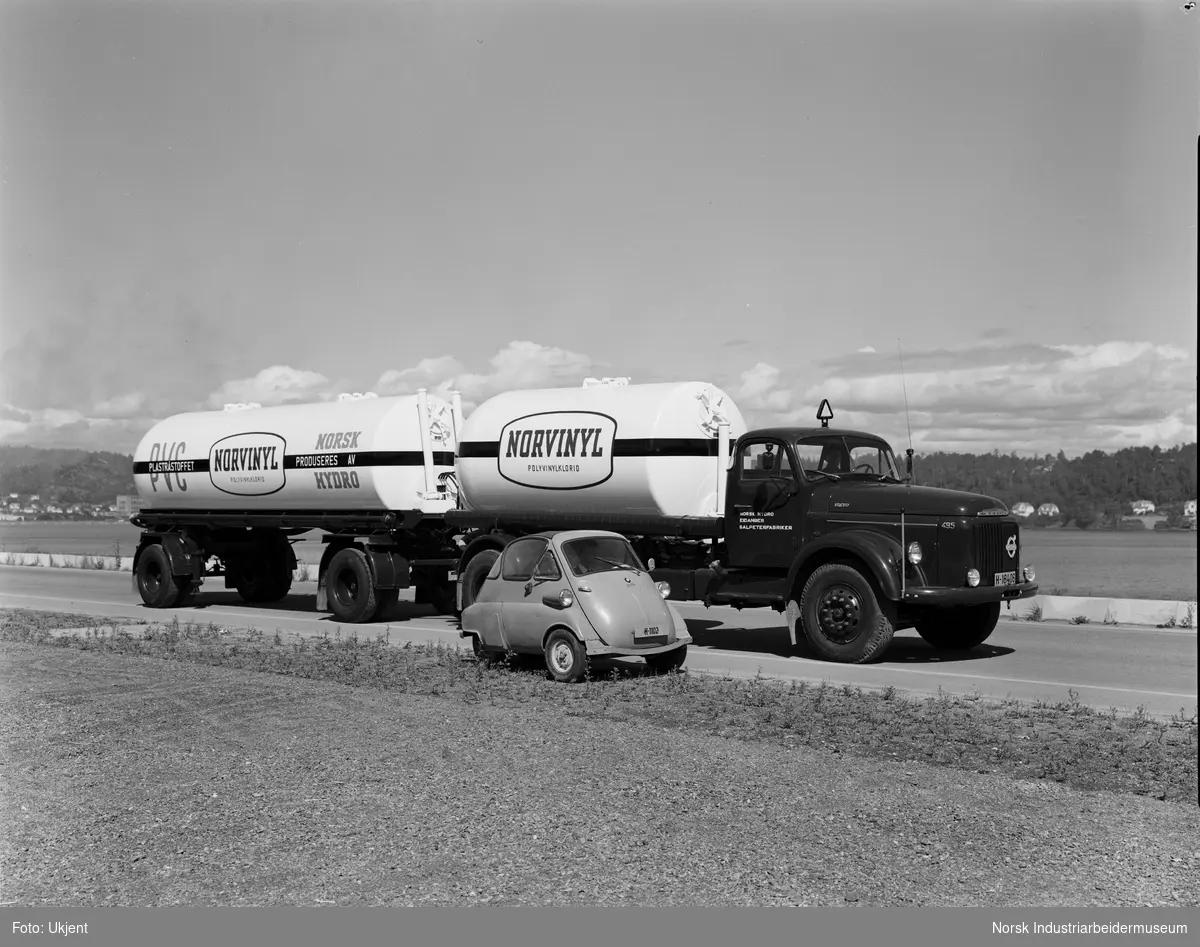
{"x": 972, "y": 577}
{"x": 1030, "y": 574}
{"x": 664, "y": 588}
{"x": 914, "y": 553}
{"x": 565, "y": 598}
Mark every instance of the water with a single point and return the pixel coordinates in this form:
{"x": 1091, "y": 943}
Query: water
{"x": 1153, "y": 564}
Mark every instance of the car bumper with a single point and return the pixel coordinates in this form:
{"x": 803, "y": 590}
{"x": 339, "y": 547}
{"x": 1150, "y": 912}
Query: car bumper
{"x": 977, "y": 596}
{"x": 596, "y": 648}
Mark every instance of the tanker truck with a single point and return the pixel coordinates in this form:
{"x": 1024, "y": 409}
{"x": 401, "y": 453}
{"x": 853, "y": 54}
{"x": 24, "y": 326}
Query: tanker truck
{"x": 815, "y": 522}
{"x": 226, "y": 493}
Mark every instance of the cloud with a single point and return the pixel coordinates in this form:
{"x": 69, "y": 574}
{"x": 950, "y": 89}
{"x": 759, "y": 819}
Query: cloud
{"x": 1027, "y": 397}
{"x": 759, "y": 390}
{"x": 279, "y": 384}
{"x": 867, "y": 350}
{"x": 122, "y": 406}
{"x": 518, "y": 365}
{"x": 53, "y": 427}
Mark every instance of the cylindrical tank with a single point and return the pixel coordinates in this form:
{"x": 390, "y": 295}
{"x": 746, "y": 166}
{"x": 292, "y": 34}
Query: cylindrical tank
{"x": 364, "y": 454}
{"x": 603, "y": 448}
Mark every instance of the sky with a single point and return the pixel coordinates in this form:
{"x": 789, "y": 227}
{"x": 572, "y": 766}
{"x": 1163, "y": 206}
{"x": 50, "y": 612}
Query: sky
{"x": 276, "y": 201}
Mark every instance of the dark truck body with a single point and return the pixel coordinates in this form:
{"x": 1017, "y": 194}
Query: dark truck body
{"x": 831, "y": 551}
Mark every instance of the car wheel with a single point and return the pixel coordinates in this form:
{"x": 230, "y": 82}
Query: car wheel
{"x": 668, "y": 661}
{"x": 566, "y": 657}
{"x": 352, "y": 595}
{"x": 488, "y": 656}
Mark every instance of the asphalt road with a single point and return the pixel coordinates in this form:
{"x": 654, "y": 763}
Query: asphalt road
{"x": 1120, "y": 667}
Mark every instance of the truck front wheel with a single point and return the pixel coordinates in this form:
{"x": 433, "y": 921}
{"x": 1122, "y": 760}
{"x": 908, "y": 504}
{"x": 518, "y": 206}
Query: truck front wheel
{"x": 351, "y": 588}
{"x": 961, "y": 628}
{"x": 841, "y": 616}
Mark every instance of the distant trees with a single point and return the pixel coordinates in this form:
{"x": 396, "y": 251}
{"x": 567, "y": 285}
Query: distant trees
{"x": 1090, "y": 491}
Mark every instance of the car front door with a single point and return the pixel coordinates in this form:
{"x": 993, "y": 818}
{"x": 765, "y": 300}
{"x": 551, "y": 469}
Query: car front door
{"x": 764, "y": 516}
{"x": 524, "y": 617}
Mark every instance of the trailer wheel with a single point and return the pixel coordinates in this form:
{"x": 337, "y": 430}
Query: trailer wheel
{"x": 385, "y": 599}
{"x": 475, "y": 572}
{"x": 566, "y": 658}
{"x": 352, "y": 595}
{"x": 442, "y": 596}
{"x": 157, "y": 587}
{"x": 959, "y": 629}
{"x": 841, "y": 615}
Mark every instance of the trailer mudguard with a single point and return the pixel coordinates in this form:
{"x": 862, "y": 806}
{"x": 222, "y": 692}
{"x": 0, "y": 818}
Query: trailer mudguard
{"x": 390, "y": 569}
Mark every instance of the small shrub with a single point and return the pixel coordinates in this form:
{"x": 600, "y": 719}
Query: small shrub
{"x": 1080, "y": 620}
{"x": 1034, "y": 614}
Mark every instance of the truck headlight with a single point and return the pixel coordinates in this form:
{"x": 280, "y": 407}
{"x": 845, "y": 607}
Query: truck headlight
{"x": 972, "y": 577}
{"x": 664, "y": 588}
{"x": 914, "y": 553}
{"x": 565, "y": 598}
{"x": 1030, "y": 574}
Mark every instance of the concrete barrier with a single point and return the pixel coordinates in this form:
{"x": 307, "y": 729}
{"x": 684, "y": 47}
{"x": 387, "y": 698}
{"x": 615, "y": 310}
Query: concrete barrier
{"x": 1080, "y": 609}
{"x": 56, "y": 560}
{"x": 1087, "y": 609}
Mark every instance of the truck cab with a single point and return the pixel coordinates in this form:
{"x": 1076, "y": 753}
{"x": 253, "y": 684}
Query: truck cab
{"x": 828, "y": 513}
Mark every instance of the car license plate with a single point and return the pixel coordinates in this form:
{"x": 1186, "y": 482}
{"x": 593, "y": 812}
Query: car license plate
{"x": 1005, "y": 578}
{"x": 650, "y": 631}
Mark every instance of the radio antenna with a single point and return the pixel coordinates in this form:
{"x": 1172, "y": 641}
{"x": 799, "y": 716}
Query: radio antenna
{"x": 907, "y": 421}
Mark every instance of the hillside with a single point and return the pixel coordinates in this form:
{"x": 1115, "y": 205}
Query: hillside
{"x": 65, "y": 476}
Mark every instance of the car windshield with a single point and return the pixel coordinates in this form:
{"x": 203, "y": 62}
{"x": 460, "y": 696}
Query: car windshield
{"x": 840, "y": 455}
{"x": 600, "y": 554}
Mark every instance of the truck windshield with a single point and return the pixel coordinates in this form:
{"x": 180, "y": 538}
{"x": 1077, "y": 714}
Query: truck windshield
{"x": 841, "y": 455}
{"x": 600, "y": 554}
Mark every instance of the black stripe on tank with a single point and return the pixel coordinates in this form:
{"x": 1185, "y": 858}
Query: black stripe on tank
{"x": 622, "y": 447}
{"x": 362, "y": 458}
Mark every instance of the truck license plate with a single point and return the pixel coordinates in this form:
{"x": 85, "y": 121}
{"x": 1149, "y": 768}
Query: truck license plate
{"x": 650, "y": 631}
{"x": 1005, "y": 578}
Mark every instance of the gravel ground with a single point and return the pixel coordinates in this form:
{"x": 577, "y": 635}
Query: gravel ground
{"x": 137, "y": 781}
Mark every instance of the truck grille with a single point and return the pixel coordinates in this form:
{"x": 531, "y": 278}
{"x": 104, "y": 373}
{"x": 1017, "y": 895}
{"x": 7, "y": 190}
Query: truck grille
{"x": 990, "y": 554}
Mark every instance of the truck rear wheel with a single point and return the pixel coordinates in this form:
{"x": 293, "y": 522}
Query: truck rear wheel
{"x": 841, "y": 616}
{"x": 961, "y": 628}
{"x": 475, "y": 572}
{"x": 351, "y": 588}
{"x": 155, "y": 584}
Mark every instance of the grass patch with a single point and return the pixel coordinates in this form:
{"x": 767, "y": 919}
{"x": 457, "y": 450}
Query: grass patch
{"x": 1065, "y": 742}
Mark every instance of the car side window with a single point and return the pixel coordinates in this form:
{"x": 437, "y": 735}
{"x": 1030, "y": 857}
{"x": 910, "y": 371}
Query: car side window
{"x": 547, "y": 567}
{"x": 520, "y": 557}
{"x": 765, "y": 460}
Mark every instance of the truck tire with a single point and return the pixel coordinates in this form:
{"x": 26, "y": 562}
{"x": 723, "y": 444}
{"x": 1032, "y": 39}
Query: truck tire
{"x": 841, "y": 616}
{"x": 351, "y": 587}
{"x": 475, "y": 572}
{"x": 961, "y": 628}
{"x": 155, "y": 584}
{"x": 265, "y": 581}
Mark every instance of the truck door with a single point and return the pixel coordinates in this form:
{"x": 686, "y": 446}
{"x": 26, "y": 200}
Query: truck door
{"x": 764, "y": 516}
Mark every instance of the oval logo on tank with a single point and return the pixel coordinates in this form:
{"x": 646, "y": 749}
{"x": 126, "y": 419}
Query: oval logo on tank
{"x": 248, "y": 465}
{"x": 558, "y": 450}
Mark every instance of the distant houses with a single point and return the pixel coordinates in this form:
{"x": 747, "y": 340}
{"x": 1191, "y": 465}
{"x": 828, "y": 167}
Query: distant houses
{"x": 1047, "y": 509}
{"x": 1023, "y": 509}
{"x": 1142, "y": 507}
{"x": 1189, "y": 509}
